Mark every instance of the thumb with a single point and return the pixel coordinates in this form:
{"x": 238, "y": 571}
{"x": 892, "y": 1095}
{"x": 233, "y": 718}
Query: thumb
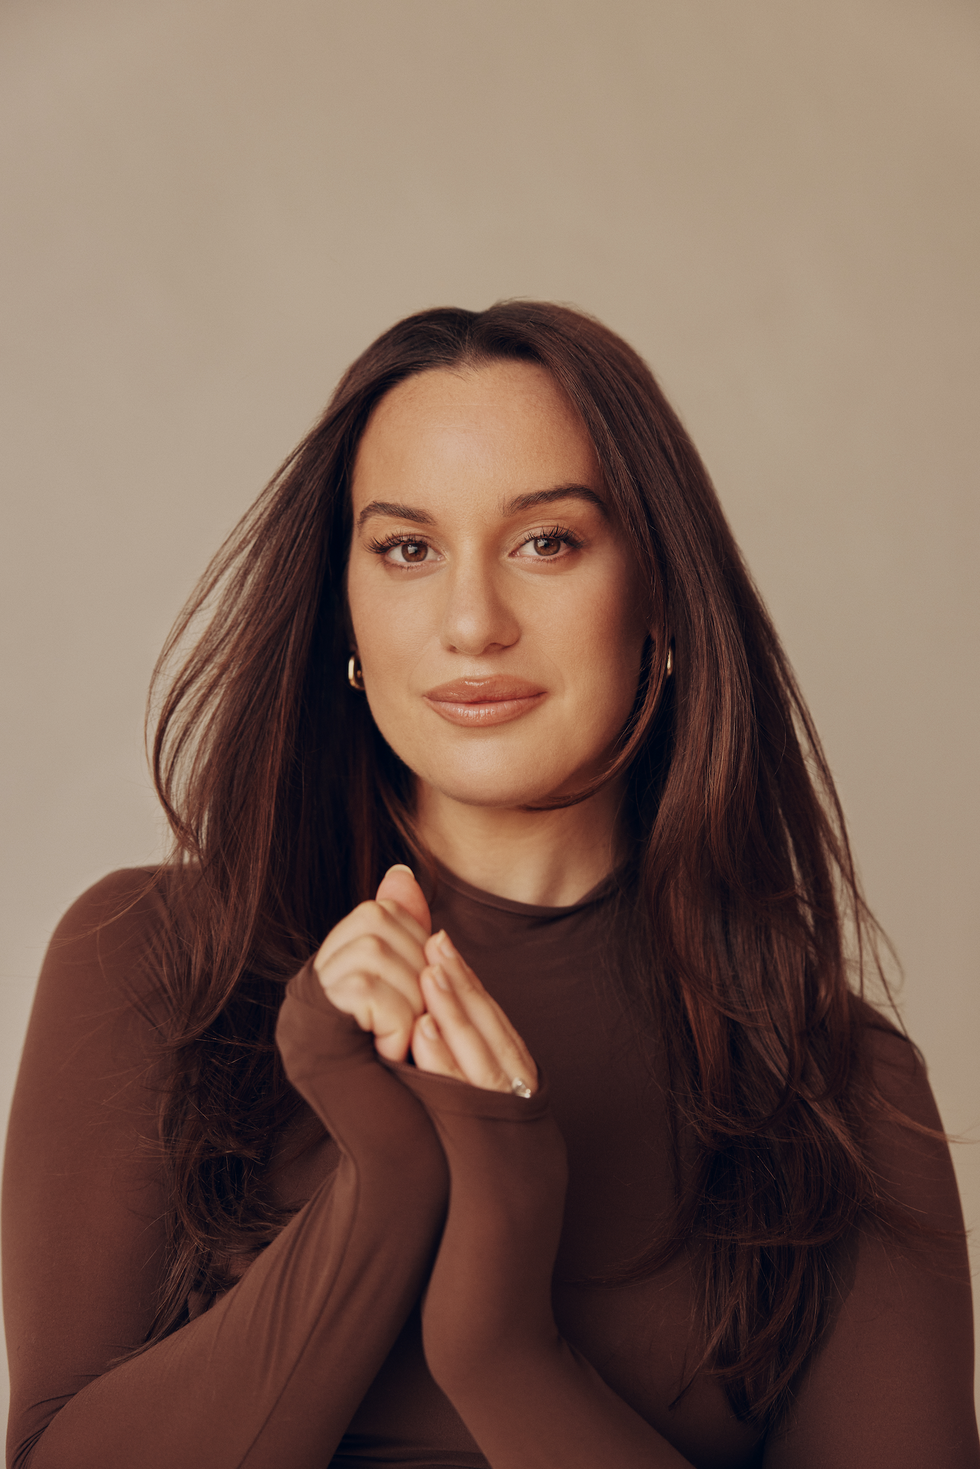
{"x": 399, "y": 886}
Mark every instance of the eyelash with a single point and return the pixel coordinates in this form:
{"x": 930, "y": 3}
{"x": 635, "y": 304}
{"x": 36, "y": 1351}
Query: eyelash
{"x": 556, "y": 533}
{"x": 382, "y": 545}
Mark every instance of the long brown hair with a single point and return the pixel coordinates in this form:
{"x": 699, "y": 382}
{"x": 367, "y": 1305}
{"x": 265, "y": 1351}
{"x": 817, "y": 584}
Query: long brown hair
{"x": 286, "y": 806}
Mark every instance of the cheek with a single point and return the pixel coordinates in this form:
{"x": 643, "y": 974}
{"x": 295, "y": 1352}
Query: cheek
{"x": 392, "y": 635}
{"x": 606, "y": 634}
{"x": 379, "y": 630}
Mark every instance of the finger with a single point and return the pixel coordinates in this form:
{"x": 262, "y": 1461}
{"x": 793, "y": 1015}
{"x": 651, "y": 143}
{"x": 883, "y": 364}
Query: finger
{"x": 470, "y": 1052}
{"x": 494, "y": 1024}
{"x": 399, "y": 886}
{"x": 385, "y": 920}
{"x": 440, "y": 949}
{"x": 429, "y": 1050}
{"x": 370, "y": 954}
{"x": 492, "y": 1065}
{"x": 404, "y": 919}
{"x": 378, "y": 1009}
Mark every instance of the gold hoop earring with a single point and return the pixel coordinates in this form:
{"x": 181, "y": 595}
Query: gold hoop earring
{"x": 670, "y": 659}
{"x": 354, "y": 675}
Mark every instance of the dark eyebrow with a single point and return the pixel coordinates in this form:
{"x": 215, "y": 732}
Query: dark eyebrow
{"x": 546, "y": 497}
{"x": 397, "y": 512}
{"x": 513, "y": 507}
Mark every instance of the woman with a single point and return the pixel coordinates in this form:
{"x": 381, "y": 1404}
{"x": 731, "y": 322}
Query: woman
{"x": 571, "y": 1145}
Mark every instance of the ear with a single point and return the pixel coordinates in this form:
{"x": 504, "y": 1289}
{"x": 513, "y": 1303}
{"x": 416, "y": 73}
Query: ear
{"x": 399, "y": 886}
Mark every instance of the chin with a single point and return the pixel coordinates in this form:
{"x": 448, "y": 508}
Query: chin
{"x": 503, "y": 789}
{"x": 490, "y": 798}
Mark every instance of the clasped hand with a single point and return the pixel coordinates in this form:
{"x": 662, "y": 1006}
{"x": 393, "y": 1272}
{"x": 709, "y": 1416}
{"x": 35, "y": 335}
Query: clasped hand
{"x": 415, "y": 993}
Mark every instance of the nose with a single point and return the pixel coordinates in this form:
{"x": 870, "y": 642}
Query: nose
{"x": 477, "y": 616}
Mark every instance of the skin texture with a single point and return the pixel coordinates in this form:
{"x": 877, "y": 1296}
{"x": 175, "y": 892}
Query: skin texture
{"x": 484, "y": 562}
{"x": 412, "y": 989}
{"x": 454, "y": 576}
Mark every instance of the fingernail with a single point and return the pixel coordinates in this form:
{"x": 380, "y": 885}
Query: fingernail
{"x": 428, "y": 1027}
{"x": 446, "y": 945}
{"x": 400, "y": 867}
{"x": 441, "y": 977}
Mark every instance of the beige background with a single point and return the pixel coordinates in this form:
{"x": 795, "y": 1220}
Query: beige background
{"x": 212, "y": 206}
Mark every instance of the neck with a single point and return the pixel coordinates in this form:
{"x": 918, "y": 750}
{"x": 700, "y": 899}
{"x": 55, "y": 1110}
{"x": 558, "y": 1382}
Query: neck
{"x": 546, "y": 858}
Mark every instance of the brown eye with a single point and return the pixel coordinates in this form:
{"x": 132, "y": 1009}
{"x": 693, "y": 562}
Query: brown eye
{"x": 407, "y": 552}
{"x": 546, "y": 545}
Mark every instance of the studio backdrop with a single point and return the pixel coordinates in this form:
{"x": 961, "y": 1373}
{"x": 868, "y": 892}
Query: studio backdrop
{"x": 210, "y": 206}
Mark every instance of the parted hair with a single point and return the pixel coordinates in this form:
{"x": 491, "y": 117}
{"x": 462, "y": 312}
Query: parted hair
{"x": 745, "y": 936}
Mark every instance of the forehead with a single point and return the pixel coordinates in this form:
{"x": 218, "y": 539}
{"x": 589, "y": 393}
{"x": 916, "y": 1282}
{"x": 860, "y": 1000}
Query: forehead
{"x": 505, "y": 427}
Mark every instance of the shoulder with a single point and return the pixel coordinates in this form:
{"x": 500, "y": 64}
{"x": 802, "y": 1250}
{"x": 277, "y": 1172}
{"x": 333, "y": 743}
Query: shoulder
{"x": 895, "y": 1067}
{"x": 139, "y": 891}
{"x": 109, "y": 948}
{"x": 93, "y": 1046}
{"x": 903, "y": 1131}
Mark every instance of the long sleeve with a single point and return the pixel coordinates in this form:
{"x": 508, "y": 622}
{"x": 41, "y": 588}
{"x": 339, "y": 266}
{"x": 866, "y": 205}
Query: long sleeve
{"x": 269, "y": 1377}
{"x": 892, "y": 1388}
{"x": 529, "y": 1400}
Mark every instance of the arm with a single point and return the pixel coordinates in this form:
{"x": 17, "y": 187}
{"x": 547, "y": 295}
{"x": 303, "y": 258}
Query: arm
{"x": 529, "y": 1400}
{"x": 273, "y": 1372}
{"x": 892, "y": 1387}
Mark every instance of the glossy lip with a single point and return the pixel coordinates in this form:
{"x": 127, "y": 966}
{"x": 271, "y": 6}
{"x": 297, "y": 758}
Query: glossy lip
{"x": 477, "y": 702}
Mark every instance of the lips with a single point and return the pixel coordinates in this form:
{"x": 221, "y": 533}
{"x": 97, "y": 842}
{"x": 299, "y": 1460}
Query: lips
{"x": 477, "y": 702}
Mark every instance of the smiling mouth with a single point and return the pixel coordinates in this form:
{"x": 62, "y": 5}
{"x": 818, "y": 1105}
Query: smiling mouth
{"x": 477, "y": 702}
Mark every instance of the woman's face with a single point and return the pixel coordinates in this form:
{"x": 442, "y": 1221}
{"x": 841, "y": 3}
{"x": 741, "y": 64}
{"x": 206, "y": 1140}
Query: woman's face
{"x": 495, "y": 606}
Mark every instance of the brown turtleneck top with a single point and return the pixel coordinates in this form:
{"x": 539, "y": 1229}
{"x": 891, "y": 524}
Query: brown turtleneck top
{"x": 321, "y": 1355}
